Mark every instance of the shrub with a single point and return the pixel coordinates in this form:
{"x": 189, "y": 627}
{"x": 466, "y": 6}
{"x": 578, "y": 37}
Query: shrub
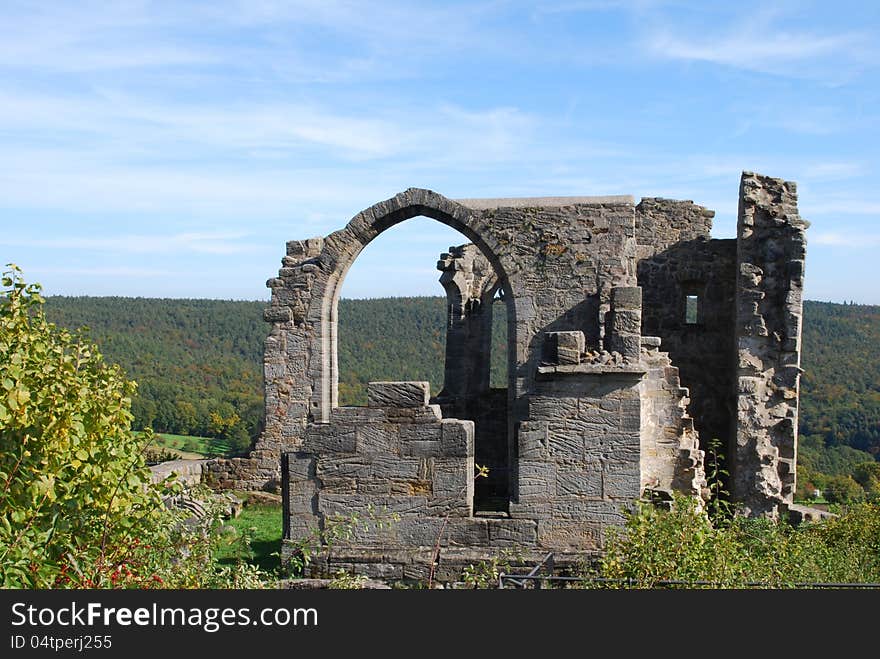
{"x": 79, "y": 507}
{"x": 683, "y": 545}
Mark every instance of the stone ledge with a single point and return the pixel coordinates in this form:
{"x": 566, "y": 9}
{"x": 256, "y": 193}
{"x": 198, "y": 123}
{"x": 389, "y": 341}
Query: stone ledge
{"x": 398, "y": 394}
{"x": 545, "y": 202}
{"x": 593, "y": 369}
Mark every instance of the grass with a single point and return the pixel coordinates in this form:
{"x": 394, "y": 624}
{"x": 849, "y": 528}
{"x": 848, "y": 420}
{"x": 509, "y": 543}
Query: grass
{"x": 191, "y": 446}
{"x": 257, "y": 537}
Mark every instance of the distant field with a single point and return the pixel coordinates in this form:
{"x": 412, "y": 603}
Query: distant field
{"x": 190, "y": 446}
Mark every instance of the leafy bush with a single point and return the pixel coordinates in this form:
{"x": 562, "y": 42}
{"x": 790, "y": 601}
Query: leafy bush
{"x": 682, "y": 545}
{"x": 79, "y": 506}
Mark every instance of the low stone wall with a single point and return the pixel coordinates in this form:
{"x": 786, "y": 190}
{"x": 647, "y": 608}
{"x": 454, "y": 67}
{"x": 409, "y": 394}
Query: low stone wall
{"x": 189, "y": 472}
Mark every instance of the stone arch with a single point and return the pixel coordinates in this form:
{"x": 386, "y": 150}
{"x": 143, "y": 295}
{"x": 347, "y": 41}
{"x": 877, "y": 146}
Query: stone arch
{"x": 341, "y": 249}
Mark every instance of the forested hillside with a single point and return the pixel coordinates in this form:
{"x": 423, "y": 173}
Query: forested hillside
{"x": 198, "y": 365}
{"x": 840, "y": 397}
{"x": 197, "y": 362}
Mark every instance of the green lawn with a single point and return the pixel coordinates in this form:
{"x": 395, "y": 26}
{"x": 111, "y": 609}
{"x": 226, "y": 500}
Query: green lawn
{"x": 257, "y": 537}
{"x": 192, "y": 445}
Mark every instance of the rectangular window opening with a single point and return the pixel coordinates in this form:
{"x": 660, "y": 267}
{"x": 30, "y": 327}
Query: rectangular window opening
{"x": 691, "y": 309}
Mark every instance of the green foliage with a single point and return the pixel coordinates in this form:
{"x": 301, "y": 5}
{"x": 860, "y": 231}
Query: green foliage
{"x": 485, "y": 573}
{"x": 720, "y": 506}
{"x": 79, "y": 506}
{"x": 343, "y": 580}
{"x": 683, "y": 545}
{"x": 840, "y": 399}
{"x": 867, "y": 474}
{"x": 335, "y": 530}
{"x": 842, "y": 489}
{"x": 157, "y": 455}
{"x": 195, "y": 358}
{"x": 253, "y": 537}
{"x": 73, "y": 474}
{"x": 403, "y": 339}
{"x": 192, "y": 359}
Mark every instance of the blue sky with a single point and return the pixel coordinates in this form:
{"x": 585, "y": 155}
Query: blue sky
{"x": 169, "y": 149}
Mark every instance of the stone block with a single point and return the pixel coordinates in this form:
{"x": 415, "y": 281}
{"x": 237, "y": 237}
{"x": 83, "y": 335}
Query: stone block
{"x": 562, "y": 535}
{"x": 457, "y": 438}
{"x": 596, "y": 416}
{"x": 533, "y": 440}
{"x": 537, "y": 480}
{"x": 564, "y": 347}
{"x": 377, "y": 438}
{"x": 621, "y": 480}
{"x": 628, "y": 345}
{"x": 421, "y": 449}
{"x": 626, "y": 322}
{"x": 453, "y": 478}
{"x": 300, "y": 466}
{"x": 585, "y": 481}
{"x": 393, "y": 466}
{"x": 532, "y": 509}
{"x": 626, "y": 297}
{"x": 329, "y": 439}
{"x": 369, "y": 487}
{"x": 551, "y": 407}
{"x": 299, "y": 526}
{"x": 466, "y": 533}
{"x": 277, "y": 314}
{"x": 419, "y": 432}
{"x": 357, "y": 415}
{"x": 357, "y": 467}
{"x": 398, "y": 394}
{"x": 565, "y": 442}
{"x": 512, "y": 532}
{"x": 302, "y": 500}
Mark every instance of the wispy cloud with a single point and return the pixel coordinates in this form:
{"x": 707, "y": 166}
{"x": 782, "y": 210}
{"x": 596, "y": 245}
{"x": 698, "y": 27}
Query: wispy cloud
{"x": 854, "y": 240}
{"x": 200, "y": 243}
{"x": 833, "y": 170}
{"x": 103, "y": 271}
{"x": 840, "y": 205}
{"x": 758, "y": 42}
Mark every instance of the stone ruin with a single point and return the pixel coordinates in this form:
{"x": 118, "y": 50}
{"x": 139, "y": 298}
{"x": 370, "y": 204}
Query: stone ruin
{"x": 634, "y": 338}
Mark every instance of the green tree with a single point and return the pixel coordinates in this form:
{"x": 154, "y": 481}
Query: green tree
{"x": 79, "y": 508}
{"x": 867, "y": 474}
{"x": 843, "y": 489}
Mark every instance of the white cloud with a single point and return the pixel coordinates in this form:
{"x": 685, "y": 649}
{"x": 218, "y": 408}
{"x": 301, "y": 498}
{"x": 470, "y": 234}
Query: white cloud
{"x": 759, "y": 43}
{"x": 826, "y": 205}
{"x": 103, "y": 271}
{"x": 201, "y": 243}
{"x": 833, "y": 170}
{"x": 833, "y": 239}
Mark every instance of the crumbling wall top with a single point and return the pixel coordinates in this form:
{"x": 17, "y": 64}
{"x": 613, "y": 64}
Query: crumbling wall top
{"x": 545, "y": 202}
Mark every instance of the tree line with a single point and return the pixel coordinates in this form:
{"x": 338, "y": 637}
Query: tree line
{"x": 198, "y": 365}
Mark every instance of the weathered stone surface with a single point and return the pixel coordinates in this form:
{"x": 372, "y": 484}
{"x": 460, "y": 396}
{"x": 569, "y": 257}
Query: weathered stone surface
{"x": 457, "y": 437}
{"x": 398, "y": 394}
{"x": 564, "y": 347}
{"x": 512, "y": 532}
{"x": 593, "y": 413}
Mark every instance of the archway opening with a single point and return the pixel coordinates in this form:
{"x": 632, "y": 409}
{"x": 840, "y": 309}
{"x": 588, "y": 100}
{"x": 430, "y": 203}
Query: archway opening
{"x": 393, "y": 323}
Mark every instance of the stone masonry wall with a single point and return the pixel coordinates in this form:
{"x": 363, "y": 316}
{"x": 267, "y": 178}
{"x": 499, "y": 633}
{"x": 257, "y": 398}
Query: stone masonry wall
{"x": 662, "y": 223}
{"x": 771, "y": 249}
{"x": 595, "y": 413}
{"x": 703, "y": 351}
{"x": 557, "y": 260}
{"x": 469, "y": 282}
{"x": 397, "y": 457}
{"x": 671, "y": 459}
